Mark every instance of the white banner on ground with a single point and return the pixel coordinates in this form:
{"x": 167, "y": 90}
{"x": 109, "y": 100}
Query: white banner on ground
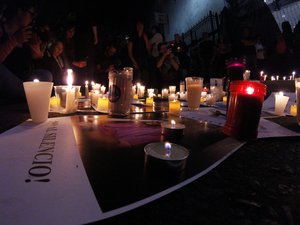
{"x": 43, "y": 180}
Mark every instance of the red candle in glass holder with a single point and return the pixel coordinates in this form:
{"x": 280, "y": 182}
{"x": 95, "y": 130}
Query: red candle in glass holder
{"x": 244, "y": 109}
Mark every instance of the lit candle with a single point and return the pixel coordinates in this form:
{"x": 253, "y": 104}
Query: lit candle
{"x": 244, "y": 109}
{"x": 86, "y": 89}
{"x": 168, "y": 148}
{"x": 165, "y": 93}
{"x": 172, "y": 89}
{"x": 261, "y": 76}
{"x": 172, "y": 129}
{"x": 272, "y": 78}
{"x": 141, "y": 91}
{"x": 182, "y": 95}
{"x": 133, "y": 90}
{"x": 284, "y": 78}
{"x": 149, "y": 101}
{"x": 70, "y": 94}
{"x": 277, "y": 77}
{"x": 293, "y": 110}
{"x": 293, "y": 74}
{"x": 265, "y": 77}
{"x": 150, "y": 92}
{"x": 135, "y": 97}
{"x": 210, "y": 100}
{"x": 225, "y": 99}
{"x": 174, "y": 106}
{"x": 103, "y": 89}
{"x": 102, "y": 104}
{"x": 54, "y": 103}
{"x": 172, "y": 97}
{"x": 280, "y": 103}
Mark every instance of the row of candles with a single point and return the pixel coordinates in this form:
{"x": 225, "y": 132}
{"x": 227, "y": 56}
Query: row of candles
{"x": 264, "y": 77}
{"x": 99, "y": 98}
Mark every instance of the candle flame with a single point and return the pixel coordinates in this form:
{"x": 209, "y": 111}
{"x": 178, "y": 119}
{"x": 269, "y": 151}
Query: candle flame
{"x": 70, "y": 77}
{"x": 36, "y": 80}
{"x": 168, "y": 146}
{"x": 250, "y": 90}
{"x": 280, "y": 93}
{"x": 86, "y": 82}
{"x": 173, "y": 122}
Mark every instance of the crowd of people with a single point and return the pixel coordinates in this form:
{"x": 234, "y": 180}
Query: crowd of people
{"x": 32, "y": 48}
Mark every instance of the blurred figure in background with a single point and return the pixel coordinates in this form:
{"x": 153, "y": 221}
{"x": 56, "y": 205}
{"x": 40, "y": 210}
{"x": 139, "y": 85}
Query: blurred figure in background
{"x": 139, "y": 52}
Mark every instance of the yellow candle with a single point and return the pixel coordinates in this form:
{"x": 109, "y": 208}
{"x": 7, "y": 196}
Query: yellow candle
{"x": 102, "y": 104}
{"x": 149, "y": 101}
{"x": 174, "y": 106}
{"x": 293, "y": 110}
{"x": 225, "y": 99}
{"x": 136, "y": 97}
{"x": 54, "y": 103}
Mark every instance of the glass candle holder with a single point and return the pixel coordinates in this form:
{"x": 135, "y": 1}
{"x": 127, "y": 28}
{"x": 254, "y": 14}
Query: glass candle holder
{"x": 67, "y": 98}
{"x": 245, "y": 104}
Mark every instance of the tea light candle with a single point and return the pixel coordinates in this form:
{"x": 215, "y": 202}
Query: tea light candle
{"x": 172, "y": 129}
{"x": 280, "y": 103}
{"x": 164, "y": 93}
{"x": 149, "y": 101}
{"x": 166, "y": 151}
{"x": 293, "y": 110}
{"x": 102, "y": 104}
{"x": 174, "y": 106}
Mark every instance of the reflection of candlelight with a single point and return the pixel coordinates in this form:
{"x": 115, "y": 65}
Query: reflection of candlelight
{"x": 168, "y": 149}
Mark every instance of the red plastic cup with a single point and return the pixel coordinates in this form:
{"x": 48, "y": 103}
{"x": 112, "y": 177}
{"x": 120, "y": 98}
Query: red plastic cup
{"x": 244, "y": 109}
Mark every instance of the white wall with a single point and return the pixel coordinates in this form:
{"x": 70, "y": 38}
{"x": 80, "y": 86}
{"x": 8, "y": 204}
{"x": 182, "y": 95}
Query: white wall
{"x": 183, "y": 14}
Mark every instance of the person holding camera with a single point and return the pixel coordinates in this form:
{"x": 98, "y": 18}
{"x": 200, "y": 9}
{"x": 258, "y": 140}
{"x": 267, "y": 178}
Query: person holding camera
{"x": 168, "y": 66}
{"x": 19, "y": 47}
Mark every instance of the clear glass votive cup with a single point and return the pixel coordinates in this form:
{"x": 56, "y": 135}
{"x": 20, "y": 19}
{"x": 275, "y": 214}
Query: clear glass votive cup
{"x": 194, "y": 87}
{"x": 67, "y": 98}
